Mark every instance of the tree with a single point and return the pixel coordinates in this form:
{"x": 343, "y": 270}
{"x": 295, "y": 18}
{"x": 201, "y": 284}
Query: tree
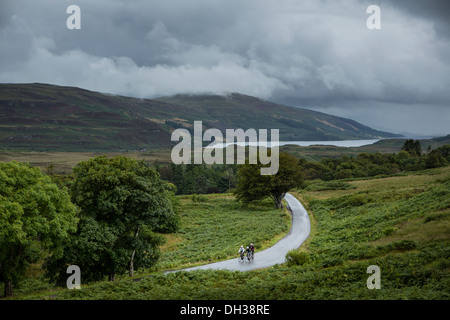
{"x": 413, "y": 147}
{"x": 444, "y": 152}
{"x": 123, "y": 203}
{"x": 314, "y": 170}
{"x": 434, "y": 160}
{"x": 252, "y": 185}
{"x": 230, "y": 177}
{"x": 36, "y": 216}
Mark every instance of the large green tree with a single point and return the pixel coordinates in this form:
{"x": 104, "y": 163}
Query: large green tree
{"x": 123, "y": 202}
{"x": 36, "y": 218}
{"x": 253, "y": 186}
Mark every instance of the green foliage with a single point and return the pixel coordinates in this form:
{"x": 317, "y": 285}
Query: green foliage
{"x": 348, "y": 222}
{"x": 198, "y": 198}
{"x": 297, "y": 258}
{"x": 412, "y": 147}
{"x": 435, "y": 216}
{"x": 35, "y": 215}
{"x": 386, "y": 227}
{"x": 215, "y": 228}
{"x": 253, "y": 186}
{"x": 329, "y": 185}
{"x": 411, "y": 275}
{"x": 122, "y": 203}
{"x": 377, "y": 164}
{"x": 199, "y": 179}
{"x": 402, "y": 245}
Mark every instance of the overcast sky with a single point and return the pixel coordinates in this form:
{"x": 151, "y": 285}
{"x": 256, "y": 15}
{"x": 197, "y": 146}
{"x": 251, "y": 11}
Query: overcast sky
{"x": 313, "y": 54}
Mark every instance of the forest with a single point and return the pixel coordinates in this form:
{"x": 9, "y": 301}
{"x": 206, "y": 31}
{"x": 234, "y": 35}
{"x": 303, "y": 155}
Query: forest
{"x": 206, "y": 179}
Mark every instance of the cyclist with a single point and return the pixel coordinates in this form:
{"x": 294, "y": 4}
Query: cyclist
{"x": 241, "y": 251}
{"x": 252, "y": 249}
{"x": 249, "y": 252}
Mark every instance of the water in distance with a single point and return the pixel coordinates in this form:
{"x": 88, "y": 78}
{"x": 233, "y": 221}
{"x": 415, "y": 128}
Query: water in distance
{"x": 340, "y": 143}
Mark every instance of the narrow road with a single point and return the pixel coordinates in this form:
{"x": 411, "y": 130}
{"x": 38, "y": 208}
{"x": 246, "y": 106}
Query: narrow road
{"x": 299, "y": 232}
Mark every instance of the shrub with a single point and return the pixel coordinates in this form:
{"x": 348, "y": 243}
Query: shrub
{"x": 330, "y": 185}
{"x": 297, "y": 258}
{"x": 357, "y": 200}
{"x": 198, "y": 198}
{"x": 212, "y": 190}
{"x": 389, "y": 230}
{"x": 343, "y": 174}
{"x": 402, "y": 245}
{"x": 435, "y": 216}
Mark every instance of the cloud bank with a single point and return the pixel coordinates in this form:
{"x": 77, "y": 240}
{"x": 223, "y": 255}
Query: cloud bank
{"x": 316, "y": 54}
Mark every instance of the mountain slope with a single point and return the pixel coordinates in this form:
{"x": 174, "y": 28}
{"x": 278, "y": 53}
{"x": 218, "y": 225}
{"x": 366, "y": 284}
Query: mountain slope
{"x": 241, "y": 111}
{"x": 46, "y": 117}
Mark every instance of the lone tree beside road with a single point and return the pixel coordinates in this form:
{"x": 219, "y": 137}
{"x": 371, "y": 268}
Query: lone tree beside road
{"x": 35, "y": 217}
{"x": 253, "y": 186}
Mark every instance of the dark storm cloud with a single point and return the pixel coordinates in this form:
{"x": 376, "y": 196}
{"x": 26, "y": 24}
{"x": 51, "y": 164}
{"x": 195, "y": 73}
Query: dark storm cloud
{"x": 318, "y": 54}
{"x": 437, "y": 11}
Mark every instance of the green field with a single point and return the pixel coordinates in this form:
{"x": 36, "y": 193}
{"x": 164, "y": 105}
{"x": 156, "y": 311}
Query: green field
{"x": 216, "y": 226}
{"x": 399, "y": 223}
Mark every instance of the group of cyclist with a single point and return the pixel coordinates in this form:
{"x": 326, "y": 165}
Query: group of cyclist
{"x": 250, "y": 251}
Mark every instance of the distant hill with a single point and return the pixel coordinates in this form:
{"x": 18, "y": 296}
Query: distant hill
{"x": 44, "y": 117}
{"x": 242, "y": 111}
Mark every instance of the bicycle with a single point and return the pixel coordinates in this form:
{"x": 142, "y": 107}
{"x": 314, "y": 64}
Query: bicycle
{"x": 250, "y": 256}
{"x": 241, "y": 257}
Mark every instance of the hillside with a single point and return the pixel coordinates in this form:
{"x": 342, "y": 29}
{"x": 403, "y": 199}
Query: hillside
{"x": 399, "y": 223}
{"x": 42, "y": 117}
{"x": 242, "y": 111}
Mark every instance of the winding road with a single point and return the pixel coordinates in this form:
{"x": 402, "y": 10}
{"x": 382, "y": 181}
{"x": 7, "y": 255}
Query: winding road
{"x": 299, "y": 232}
